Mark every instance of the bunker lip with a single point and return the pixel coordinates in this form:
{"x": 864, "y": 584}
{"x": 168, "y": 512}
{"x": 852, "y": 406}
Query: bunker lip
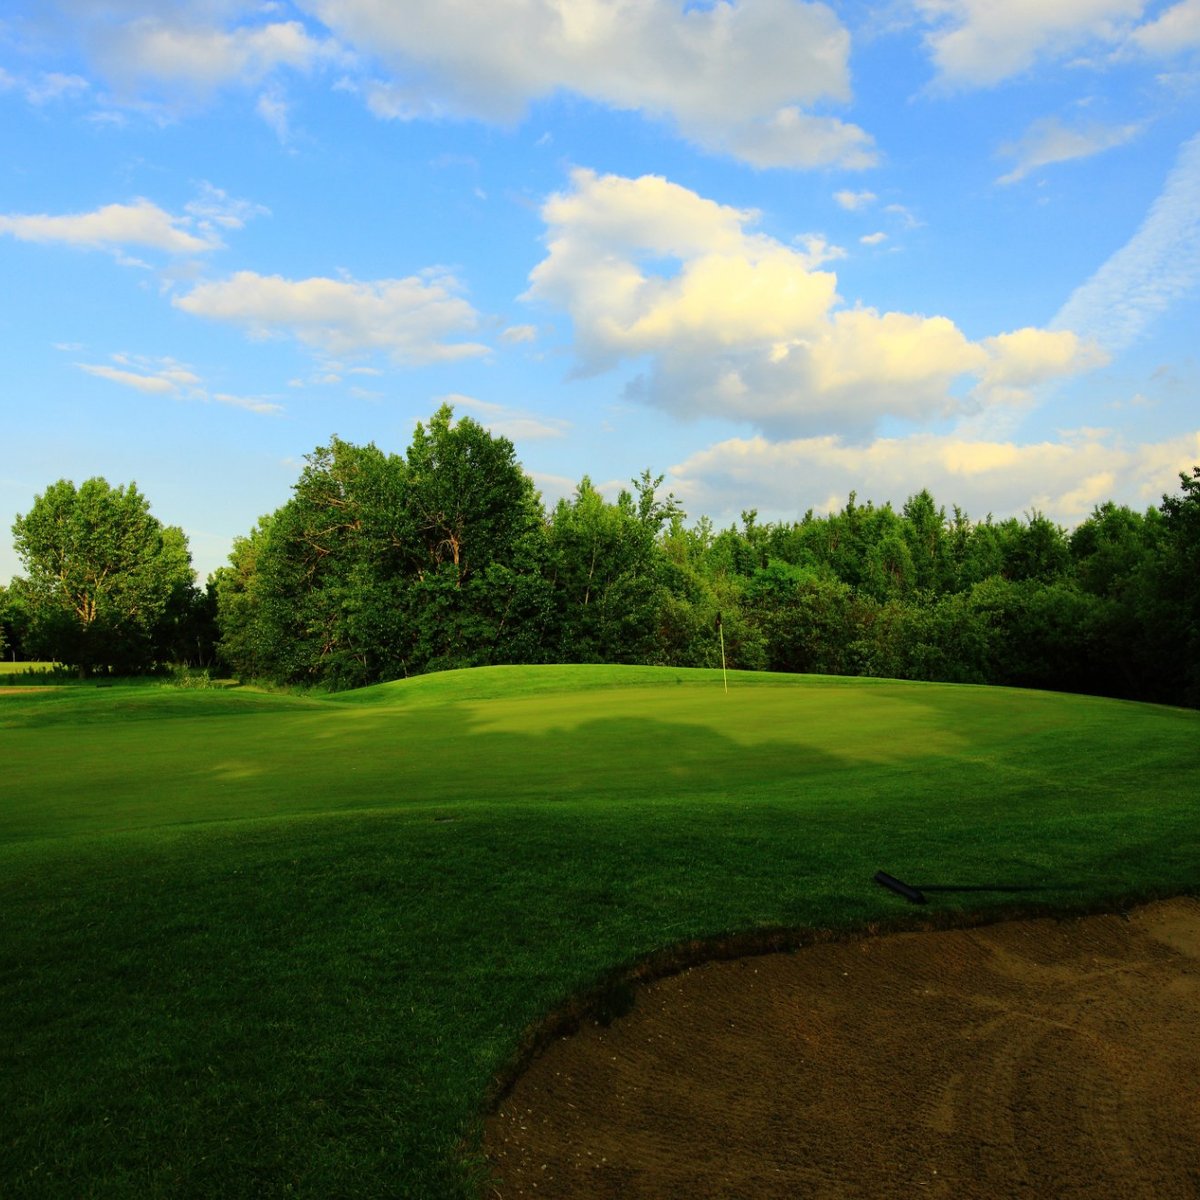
{"x": 1019, "y": 1049}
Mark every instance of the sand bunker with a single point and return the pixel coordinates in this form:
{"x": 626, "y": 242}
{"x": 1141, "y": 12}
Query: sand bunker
{"x": 1034, "y": 1058}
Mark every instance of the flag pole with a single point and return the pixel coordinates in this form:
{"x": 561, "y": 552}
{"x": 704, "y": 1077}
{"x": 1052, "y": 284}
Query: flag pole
{"x": 721, "y": 631}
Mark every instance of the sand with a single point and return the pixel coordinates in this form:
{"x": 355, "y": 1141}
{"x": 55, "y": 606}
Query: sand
{"x": 1037, "y": 1058}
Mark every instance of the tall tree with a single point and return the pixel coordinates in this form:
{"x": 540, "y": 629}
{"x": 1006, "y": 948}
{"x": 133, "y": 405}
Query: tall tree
{"x": 106, "y": 581}
{"x": 608, "y": 569}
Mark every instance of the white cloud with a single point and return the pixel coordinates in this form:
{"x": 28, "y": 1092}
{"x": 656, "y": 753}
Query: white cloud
{"x": 979, "y": 43}
{"x": 45, "y": 87}
{"x": 168, "y": 377}
{"x": 791, "y": 138}
{"x": 198, "y": 58}
{"x": 249, "y": 404}
{"x": 155, "y": 384}
{"x": 52, "y": 85}
{"x": 735, "y": 324}
{"x": 412, "y": 319}
{"x": 815, "y": 251}
{"x": 515, "y": 424}
{"x": 1158, "y": 266}
{"x": 217, "y": 207}
{"x": 515, "y": 334}
{"x": 853, "y": 201}
{"x": 1063, "y": 479}
{"x": 904, "y": 214}
{"x": 737, "y": 76}
{"x": 1174, "y": 31}
{"x": 158, "y": 376}
{"x": 1049, "y": 141}
{"x": 874, "y": 239}
{"x": 273, "y": 109}
{"x": 112, "y": 227}
{"x": 1031, "y": 356}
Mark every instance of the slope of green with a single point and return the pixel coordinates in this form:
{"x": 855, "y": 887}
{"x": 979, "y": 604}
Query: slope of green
{"x": 269, "y": 945}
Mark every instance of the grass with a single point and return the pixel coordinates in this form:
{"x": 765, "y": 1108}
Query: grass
{"x": 12, "y": 672}
{"x": 270, "y": 945}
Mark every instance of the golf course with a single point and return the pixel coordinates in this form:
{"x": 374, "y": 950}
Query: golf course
{"x": 260, "y": 944}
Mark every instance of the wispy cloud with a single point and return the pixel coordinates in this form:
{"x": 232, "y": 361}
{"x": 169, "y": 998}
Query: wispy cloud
{"x": 163, "y": 376}
{"x": 518, "y": 425}
{"x": 1158, "y": 266}
{"x": 214, "y": 206}
{"x": 853, "y": 201}
{"x": 515, "y": 334}
{"x": 168, "y": 377}
{"x": 1049, "y": 141}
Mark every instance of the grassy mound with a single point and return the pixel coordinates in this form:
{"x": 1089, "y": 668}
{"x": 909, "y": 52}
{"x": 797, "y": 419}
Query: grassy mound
{"x": 261, "y": 945}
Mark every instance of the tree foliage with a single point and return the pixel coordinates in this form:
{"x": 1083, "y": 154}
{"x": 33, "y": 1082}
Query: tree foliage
{"x": 106, "y": 583}
{"x": 383, "y": 565}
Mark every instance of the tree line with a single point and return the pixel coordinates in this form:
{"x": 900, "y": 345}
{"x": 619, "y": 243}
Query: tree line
{"x": 385, "y": 565}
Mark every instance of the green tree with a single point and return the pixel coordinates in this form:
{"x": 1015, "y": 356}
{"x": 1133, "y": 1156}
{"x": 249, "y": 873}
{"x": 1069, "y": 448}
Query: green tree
{"x": 315, "y": 594}
{"x": 105, "y": 581}
{"x": 383, "y": 565}
{"x": 805, "y": 618}
{"x": 609, "y": 572}
{"x": 924, "y": 528}
{"x": 481, "y": 592}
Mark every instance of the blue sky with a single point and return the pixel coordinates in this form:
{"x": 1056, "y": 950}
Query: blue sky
{"x": 772, "y": 250}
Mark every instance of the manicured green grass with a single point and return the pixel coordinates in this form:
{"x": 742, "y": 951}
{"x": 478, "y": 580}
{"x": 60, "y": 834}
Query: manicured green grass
{"x": 270, "y": 945}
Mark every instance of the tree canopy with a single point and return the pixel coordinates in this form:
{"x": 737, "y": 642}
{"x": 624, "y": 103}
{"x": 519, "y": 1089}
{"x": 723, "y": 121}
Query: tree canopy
{"x": 106, "y": 583}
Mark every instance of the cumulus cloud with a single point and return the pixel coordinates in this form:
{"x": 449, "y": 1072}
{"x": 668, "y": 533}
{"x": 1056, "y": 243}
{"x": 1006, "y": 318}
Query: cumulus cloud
{"x": 734, "y": 323}
{"x": 979, "y": 43}
{"x": 1050, "y": 141}
{"x": 738, "y": 76}
{"x": 1064, "y": 479}
{"x": 750, "y": 78}
{"x": 112, "y": 227}
{"x": 1031, "y": 356}
{"x": 1159, "y": 265}
{"x": 412, "y": 319}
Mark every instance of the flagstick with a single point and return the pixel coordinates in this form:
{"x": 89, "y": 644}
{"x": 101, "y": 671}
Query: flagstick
{"x": 724, "y": 677}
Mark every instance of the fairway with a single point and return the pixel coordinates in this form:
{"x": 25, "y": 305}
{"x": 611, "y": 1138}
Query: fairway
{"x": 265, "y": 944}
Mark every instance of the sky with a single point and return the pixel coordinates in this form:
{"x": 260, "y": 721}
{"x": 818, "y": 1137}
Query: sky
{"x": 773, "y": 251}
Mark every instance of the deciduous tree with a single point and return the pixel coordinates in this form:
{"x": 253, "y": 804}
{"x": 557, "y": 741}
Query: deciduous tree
{"x": 105, "y": 579}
